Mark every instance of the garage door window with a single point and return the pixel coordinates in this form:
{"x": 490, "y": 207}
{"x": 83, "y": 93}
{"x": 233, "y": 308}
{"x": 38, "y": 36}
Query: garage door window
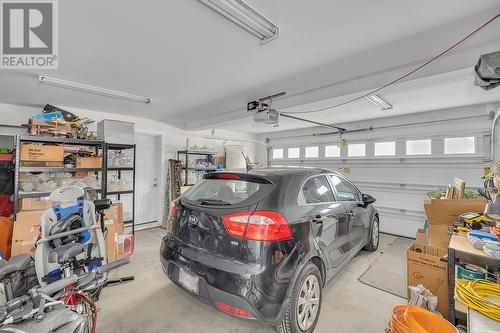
{"x": 312, "y": 152}
{"x": 356, "y": 150}
{"x": 332, "y": 151}
{"x": 418, "y": 147}
{"x": 316, "y": 190}
{"x": 294, "y": 152}
{"x": 385, "y": 148}
{"x": 463, "y": 145}
{"x": 277, "y": 153}
{"x": 345, "y": 190}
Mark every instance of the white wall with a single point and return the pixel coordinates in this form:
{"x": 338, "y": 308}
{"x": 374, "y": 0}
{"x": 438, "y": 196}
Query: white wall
{"x": 173, "y": 139}
{"x": 400, "y": 182}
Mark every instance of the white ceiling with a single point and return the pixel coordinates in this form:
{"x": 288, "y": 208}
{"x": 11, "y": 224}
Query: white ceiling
{"x": 442, "y": 91}
{"x": 201, "y": 69}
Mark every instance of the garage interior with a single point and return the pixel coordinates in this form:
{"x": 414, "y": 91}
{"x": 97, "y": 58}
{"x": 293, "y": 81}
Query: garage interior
{"x": 150, "y": 101}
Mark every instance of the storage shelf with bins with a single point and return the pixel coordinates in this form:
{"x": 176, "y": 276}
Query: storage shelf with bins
{"x": 95, "y": 145}
{"x": 207, "y": 163}
{"x": 121, "y": 173}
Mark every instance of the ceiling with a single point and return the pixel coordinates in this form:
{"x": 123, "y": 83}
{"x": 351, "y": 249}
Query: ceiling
{"x": 437, "y": 92}
{"x": 200, "y": 69}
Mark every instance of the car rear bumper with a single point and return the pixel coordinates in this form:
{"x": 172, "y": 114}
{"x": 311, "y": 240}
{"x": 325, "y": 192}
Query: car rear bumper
{"x": 244, "y": 286}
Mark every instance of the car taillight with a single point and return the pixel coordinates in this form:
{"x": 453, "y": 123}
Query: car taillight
{"x": 260, "y": 225}
{"x": 234, "y": 311}
{"x": 173, "y": 208}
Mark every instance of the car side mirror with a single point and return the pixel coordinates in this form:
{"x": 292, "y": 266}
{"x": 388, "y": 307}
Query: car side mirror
{"x": 368, "y": 199}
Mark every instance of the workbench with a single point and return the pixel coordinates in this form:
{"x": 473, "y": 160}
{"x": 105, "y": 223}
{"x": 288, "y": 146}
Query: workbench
{"x": 461, "y": 250}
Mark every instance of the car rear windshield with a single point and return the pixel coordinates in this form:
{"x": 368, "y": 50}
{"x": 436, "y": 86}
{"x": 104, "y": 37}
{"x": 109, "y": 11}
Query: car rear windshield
{"x": 227, "y": 192}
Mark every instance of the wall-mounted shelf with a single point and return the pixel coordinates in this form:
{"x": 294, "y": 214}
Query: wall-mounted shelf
{"x": 44, "y": 169}
{"x": 119, "y": 169}
{"x": 23, "y": 195}
{"x": 20, "y": 139}
{"x": 207, "y": 156}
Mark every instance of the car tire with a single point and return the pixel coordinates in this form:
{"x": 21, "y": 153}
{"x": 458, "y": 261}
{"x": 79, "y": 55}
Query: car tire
{"x": 373, "y": 235}
{"x": 303, "y": 302}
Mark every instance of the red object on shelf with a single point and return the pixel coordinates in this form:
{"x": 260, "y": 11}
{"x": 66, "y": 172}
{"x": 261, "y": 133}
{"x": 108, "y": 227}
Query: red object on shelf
{"x": 6, "y": 157}
{"x": 6, "y": 206}
{"x": 129, "y": 245}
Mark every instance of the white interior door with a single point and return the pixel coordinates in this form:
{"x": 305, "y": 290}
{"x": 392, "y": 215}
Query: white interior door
{"x": 148, "y": 163}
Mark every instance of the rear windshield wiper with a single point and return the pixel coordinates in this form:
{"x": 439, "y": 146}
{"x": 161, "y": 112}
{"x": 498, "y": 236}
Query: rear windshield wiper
{"x": 213, "y": 202}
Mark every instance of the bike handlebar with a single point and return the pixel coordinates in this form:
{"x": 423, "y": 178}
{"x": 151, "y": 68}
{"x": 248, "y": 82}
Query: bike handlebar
{"x": 58, "y": 285}
{"x": 114, "y": 265}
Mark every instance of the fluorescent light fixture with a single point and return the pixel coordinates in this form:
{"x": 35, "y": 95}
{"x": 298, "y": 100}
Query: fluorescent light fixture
{"x": 92, "y": 89}
{"x": 246, "y": 17}
{"x": 379, "y": 101}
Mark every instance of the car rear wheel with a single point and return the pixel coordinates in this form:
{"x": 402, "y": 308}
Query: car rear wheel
{"x": 303, "y": 305}
{"x": 374, "y": 235}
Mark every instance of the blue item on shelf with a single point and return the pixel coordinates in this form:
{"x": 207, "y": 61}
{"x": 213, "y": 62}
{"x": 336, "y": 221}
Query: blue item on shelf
{"x": 49, "y": 116}
{"x": 482, "y": 234}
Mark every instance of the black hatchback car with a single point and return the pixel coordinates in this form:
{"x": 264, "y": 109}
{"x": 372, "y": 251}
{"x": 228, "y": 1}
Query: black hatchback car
{"x": 261, "y": 245}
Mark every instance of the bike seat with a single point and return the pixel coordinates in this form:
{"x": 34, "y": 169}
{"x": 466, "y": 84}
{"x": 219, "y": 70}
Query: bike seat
{"x": 16, "y": 263}
{"x": 63, "y": 253}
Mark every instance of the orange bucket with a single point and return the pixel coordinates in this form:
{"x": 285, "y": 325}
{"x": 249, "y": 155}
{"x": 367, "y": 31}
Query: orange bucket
{"x": 414, "y": 319}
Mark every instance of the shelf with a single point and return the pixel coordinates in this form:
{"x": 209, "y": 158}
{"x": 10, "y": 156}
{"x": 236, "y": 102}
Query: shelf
{"x": 55, "y": 169}
{"x": 128, "y": 222}
{"x": 192, "y": 152}
{"x": 42, "y": 139}
{"x": 201, "y": 169}
{"x": 121, "y": 169}
{"x": 118, "y": 146}
{"x": 120, "y": 192}
{"x": 461, "y": 311}
{"x": 23, "y": 195}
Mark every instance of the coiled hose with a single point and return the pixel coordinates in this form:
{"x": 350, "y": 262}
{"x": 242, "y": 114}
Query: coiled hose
{"x": 473, "y": 293}
{"x": 414, "y": 319}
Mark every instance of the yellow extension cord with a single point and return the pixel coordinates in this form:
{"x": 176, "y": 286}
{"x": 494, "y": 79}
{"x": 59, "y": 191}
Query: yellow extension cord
{"x": 473, "y": 293}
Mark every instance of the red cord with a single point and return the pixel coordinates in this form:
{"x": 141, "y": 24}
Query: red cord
{"x": 70, "y": 297}
{"x": 92, "y": 306}
{"x": 409, "y": 73}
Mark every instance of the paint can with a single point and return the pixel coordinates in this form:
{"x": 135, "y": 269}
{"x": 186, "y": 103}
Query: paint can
{"x": 471, "y": 272}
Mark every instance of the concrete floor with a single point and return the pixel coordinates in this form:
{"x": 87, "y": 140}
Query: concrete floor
{"x": 152, "y": 303}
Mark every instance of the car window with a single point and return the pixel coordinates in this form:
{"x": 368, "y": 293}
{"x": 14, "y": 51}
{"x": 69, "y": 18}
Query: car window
{"x": 345, "y": 190}
{"x": 226, "y": 190}
{"x": 316, "y": 190}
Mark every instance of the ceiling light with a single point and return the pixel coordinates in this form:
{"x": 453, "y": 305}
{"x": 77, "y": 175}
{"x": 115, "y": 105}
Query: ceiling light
{"x": 379, "y": 101}
{"x": 246, "y": 17}
{"x": 92, "y": 89}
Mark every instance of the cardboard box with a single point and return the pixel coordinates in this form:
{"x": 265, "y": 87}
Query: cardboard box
{"x": 114, "y": 131}
{"x": 27, "y": 225}
{"x": 84, "y": 174}
{"x": 88, "y": 162}
{"x": 35, "y": 204}
{"x": 25, "y": 233}
{"x": 424, "y": 266}
{"x": 23, "y": 246}
{"x": 115, "y": 230}
{"x": 439, "y": 235}
{"x": 6, "y": 226}
{"x": 421, "y": 236}
{"x": 31, "y": 152}
{"x": 444, "y": 212}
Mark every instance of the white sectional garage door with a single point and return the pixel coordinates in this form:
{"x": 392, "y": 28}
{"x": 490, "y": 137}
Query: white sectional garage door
{"x": 399, "y": 161}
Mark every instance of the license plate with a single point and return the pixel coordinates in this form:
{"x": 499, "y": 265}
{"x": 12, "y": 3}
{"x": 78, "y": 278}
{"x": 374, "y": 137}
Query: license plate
{"x": 189, "y": 281}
